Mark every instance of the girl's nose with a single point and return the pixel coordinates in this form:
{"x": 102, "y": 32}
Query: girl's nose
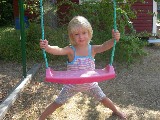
{"x": 80, "y": 36}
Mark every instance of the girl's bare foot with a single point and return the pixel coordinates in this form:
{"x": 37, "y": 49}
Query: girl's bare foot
{"x": 120, "y": 114}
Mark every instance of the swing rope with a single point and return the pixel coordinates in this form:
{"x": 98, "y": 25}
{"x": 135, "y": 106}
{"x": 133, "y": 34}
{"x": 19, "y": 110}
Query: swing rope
{"x": 42, "y": 30}
{"x": 115, "y": 29}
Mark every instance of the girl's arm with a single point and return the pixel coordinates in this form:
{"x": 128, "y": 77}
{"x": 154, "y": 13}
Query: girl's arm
{"x": 108, "y": 44}
{"x": 55, "y": 50}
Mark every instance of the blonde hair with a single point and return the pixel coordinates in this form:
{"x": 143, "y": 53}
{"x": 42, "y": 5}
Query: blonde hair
{"x": 79, "y": 22}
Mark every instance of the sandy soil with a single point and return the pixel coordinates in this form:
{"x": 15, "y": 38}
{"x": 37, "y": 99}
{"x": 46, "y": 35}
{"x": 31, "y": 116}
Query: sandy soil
{"x": 135, "y": 91}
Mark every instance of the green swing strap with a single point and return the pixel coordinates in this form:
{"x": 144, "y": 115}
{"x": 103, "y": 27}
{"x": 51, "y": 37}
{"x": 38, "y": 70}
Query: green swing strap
{"x": 42, "y": 29}
{"x": 115, "y": 29}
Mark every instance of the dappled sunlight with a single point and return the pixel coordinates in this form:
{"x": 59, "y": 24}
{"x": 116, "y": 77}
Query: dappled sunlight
{"x": 133, "y": 92}
{"x": 79, "y": 107}
{"x": 74, "y": 108}
{"x": 37, "y": 96}
{"x": 7, "y": 83}
{"x": 136, "y": 113}
{"x": 2, "y": 75}
{"x": 8, "y": 29}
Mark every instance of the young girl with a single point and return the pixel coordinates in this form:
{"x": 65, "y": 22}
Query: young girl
{"x": 80, "y": 56}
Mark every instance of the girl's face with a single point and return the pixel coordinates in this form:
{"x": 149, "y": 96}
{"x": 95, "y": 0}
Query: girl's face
{"x": 81, "y": 36}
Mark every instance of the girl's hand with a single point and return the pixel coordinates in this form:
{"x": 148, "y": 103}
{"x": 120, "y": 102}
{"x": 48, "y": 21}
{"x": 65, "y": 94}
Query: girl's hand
{"x": 43, "y": 44}
{"x": 115, "y": 35}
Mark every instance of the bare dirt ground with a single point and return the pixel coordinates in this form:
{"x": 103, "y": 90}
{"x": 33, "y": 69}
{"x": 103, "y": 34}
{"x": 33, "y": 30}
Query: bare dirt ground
{"x": 136, "y": 91}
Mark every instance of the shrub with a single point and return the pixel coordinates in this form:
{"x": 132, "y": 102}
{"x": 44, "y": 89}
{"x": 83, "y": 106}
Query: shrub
{"x": 130, "y": 48}
{"x": 54, "y": 36}
{"x": 10, "y": 44}
{"x": 6, "y": 14}
{"x": 100, "y": 15}
{"x": 32, "y": 8}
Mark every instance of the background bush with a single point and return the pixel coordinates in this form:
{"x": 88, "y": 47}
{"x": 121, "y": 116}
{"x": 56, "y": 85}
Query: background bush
{"x": 10, "y": 44}
{"x": 100, "y": 14}
{"x": 6, "y": 12}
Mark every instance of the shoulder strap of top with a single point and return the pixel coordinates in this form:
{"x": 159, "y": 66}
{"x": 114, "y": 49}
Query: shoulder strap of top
{"x": 74, "y": 49}
{"x": 90, "y": 50}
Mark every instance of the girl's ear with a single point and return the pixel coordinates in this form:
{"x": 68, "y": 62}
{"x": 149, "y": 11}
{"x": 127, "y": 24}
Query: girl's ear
{"x": 71, "y": 36}
{"x": 71, "y": 39}
{"x": 90, "y": 34}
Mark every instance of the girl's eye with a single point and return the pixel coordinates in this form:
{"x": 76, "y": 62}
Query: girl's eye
{"x": 84, "y": 32}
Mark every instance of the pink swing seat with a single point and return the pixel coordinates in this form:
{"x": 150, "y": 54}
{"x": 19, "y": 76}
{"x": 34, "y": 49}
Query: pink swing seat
{"x": 80, "y": 76}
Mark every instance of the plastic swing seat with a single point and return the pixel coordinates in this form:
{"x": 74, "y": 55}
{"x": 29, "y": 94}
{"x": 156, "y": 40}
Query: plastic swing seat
{"x": 80, "y": 76}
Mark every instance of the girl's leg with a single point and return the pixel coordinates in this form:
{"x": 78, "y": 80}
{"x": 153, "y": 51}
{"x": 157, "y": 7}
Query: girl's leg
{"x": 64, "y": 95}
{"x": 49, "y": 110}
{"x": 98, "y": 94}
{"x": 109, "y": 104}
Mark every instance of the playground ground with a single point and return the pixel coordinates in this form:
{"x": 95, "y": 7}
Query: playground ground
{"x": 136, "y": 91}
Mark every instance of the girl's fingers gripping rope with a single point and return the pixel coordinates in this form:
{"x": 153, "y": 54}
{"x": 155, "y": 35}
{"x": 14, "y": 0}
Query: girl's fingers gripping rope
{"x": 43, "y": 44}
{"x": 115, "y": 35}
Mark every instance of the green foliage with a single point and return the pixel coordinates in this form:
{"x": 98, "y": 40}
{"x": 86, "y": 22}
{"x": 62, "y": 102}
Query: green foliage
{"x": 144, "y": 34}
{"x": 33, "y": 36}
{"x": 100, "y": 14}
{"x": 33, "y": 32}
{"x": 10, "y": 44}
{"x": 130, "y": 48}
{"x": 32, "y": 8}
{"x": 6, "y": 12}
